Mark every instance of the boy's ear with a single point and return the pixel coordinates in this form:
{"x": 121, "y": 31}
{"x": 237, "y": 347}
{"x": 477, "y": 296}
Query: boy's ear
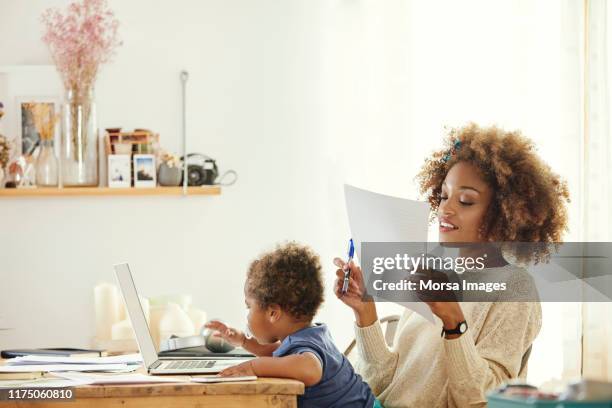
{"x": 274, "y": 313}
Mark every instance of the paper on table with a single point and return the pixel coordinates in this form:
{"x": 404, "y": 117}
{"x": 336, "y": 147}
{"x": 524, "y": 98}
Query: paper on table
{"x": 380, "y": 218}
{"x": 49, "y": 382}
{"x": 121, "y": 378}
{"x": 66, "y": 367}
{"x": 217, "y": 379}
{"x": 135, "y": 358}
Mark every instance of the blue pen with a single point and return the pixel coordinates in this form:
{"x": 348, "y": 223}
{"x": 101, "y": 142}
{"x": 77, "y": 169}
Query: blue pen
{"x": 347, "y": 271}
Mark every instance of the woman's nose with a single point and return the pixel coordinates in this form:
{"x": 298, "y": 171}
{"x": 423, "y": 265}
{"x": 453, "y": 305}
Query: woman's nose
{"x": 446, "y": 208}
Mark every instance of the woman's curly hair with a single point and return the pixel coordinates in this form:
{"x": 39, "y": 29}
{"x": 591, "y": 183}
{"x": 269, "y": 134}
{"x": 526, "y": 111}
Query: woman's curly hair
{"x": 529, "y": 199}
{"x": 290, "y": 276}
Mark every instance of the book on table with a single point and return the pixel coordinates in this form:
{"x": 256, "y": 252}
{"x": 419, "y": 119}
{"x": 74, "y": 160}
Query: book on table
{"x": 64, "y": 352}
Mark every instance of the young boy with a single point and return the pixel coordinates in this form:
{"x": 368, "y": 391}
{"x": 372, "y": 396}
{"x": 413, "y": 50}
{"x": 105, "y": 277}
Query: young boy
{"x": 283, "y": 290}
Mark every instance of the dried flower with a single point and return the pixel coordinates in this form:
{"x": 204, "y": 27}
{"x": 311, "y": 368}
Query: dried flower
{"x": 170, "y": 159}
{"x": 5, "y": 150}
{"x": 80, "y": 40}
{"x": 5, "y": 146}
{"x": 44, "y": 119}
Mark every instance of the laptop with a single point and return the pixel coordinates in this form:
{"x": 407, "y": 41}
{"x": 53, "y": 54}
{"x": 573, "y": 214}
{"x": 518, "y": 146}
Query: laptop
{"x": 166, "y": 364}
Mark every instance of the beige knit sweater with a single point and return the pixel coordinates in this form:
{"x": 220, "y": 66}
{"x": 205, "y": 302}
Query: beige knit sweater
{"x": 424, "y": 370}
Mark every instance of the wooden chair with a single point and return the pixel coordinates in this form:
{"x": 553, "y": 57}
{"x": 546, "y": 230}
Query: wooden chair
{"x": 390, "y": 329}
{"x": 523, "y": 370}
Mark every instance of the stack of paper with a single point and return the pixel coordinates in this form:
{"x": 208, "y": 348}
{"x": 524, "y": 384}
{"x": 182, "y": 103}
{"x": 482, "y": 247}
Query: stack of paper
{"x": 45, "y": 382}
{"x": 123, "y": 363}
{"x": 38, "y": 359}
{"x": 134, "y": 378}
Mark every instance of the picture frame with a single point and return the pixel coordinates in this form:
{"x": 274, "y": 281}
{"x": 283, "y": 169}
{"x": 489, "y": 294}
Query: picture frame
{"x": 27, "y": 134}
{"x": 119, "y": 171}
{"x": 20, "y": 84}
{"x": 145, "y": 174}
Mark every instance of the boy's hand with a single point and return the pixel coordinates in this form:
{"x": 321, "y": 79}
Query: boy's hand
{"x": 234, "y": 336}
{"x": 239, "y": 370}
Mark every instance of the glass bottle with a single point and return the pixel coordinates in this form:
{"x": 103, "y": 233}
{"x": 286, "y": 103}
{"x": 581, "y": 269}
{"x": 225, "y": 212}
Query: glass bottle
{"x": 46, "y": 165}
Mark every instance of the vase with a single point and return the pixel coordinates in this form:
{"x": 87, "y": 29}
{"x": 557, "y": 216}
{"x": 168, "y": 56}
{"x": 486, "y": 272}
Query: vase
{"x": 79, "y": 157}
{"x": 169, "y": 176}
{"x": 46, "y": 165}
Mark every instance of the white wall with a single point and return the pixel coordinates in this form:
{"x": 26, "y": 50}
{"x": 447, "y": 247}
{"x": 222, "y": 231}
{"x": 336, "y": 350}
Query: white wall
{"x": 253, "y": 105}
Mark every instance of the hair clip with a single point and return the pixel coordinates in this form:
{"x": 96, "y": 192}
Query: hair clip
{"x": 451, "y": 151}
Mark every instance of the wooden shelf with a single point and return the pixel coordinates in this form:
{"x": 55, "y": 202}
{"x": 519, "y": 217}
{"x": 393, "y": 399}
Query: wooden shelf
{"x": 107, "y": 191}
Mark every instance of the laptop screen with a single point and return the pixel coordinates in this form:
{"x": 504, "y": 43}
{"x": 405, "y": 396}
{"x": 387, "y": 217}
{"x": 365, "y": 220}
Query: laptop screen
{"x": 137, "y": 316}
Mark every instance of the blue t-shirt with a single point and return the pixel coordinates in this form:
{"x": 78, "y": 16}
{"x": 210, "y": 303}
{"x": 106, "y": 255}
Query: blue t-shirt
{"x": 340, "y": 386}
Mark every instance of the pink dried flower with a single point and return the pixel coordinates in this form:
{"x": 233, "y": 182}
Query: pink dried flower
{"x": 80, "y": 40}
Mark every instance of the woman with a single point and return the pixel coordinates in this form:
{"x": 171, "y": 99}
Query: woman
{"x": 486, "y": 186}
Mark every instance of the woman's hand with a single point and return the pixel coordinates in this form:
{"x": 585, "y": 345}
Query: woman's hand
{"x": 443, "y": 303}
{"x": 450, "y": 313}
{"x": 353, "y": 297}
{"x": 234, "y": 336}
{"x": 365, "y": 310}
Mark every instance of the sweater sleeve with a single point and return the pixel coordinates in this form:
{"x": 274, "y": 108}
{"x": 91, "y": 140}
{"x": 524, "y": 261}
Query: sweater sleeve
{"x": 376, "y": 362}
{"x": 476, "y": 366}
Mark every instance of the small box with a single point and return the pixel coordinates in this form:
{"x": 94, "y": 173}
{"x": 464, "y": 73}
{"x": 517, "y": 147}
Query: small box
{"x": 144, "y": 170}
{"x": 119, "y": 170}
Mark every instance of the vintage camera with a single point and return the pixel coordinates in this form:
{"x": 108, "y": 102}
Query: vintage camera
{"x": 201, "y": 169}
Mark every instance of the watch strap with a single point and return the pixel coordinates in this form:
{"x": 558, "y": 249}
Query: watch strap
{"x": 456, "y": 330}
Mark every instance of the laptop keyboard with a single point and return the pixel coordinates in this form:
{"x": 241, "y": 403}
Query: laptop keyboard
{"x": 190, "y": 364}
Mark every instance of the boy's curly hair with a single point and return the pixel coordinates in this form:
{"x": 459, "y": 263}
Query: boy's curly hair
{"x": 290, "y": 276}
{"x": 529, "y": 199}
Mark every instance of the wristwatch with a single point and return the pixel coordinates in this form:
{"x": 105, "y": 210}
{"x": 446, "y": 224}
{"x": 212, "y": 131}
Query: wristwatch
{"x": 460, "y": 329}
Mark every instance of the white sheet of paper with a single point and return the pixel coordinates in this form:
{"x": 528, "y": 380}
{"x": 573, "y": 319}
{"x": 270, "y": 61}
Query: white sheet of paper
{"x": 377, "y": 217}
{"x": 66, "y": 367}
{"x": 135, "y": 358}
{"x": 217, "y": 379}
{"x": 135, "y": 378}
{"x": 49, "y": 382}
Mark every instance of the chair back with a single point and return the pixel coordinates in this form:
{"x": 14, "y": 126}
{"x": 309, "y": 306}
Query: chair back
{"x": 390, "y": 329}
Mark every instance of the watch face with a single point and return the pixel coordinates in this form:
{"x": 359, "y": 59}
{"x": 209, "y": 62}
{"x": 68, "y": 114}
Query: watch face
{"x": 463, "y": 327}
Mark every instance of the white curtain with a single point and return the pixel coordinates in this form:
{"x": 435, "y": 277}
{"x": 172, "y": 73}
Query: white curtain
{"x": 597, "y": 206}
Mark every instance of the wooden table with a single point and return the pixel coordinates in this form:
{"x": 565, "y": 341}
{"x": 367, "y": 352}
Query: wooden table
{"x": 265, "y": 392}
